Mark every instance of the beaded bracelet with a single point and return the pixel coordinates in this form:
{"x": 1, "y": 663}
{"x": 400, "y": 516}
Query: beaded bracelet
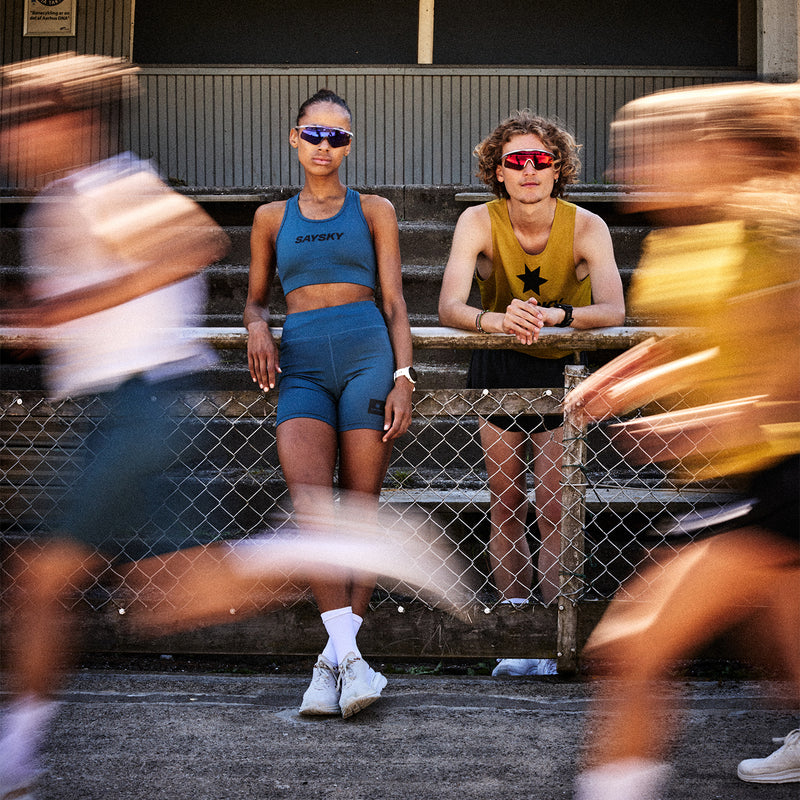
{"x": 478, "y": 320}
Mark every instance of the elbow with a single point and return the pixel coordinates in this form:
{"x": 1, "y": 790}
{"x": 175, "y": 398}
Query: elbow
{"x": 613, "y": 314}
{"x": 396, "y": 309}
{"x": 615, "y": 319}
{"x": 217, "y": 247}
{"x": 445, "y": 317}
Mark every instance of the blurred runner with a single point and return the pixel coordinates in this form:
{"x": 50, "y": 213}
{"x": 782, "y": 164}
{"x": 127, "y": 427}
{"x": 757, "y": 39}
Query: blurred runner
{"x": 115, "y": 255}
{"x": 725, "y": 165}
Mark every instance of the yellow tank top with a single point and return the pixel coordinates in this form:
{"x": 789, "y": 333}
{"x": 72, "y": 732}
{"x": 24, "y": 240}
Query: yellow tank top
{"x": 740, "y": 293}
{"x": 548, "y": 276}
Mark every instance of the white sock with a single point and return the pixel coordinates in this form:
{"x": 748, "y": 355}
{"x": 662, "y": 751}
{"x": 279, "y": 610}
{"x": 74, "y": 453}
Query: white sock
{"x": 514, "y": 601}
{"x": 341, "y": 636}
{"x": 629, "y": 778}
{"x": 330, "y": 651}
{"x": 25, "y": 725}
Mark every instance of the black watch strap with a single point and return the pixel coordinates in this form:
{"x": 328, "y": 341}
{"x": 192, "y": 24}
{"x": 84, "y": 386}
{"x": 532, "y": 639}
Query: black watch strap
{"x": 567, "y": 321}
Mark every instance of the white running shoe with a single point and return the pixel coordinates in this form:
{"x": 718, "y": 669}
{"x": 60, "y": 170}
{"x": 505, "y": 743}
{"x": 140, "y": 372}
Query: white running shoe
{"x": 17, "y": 777}
{"x": 627, "y": 779}
{"x": 15, "y": 786}
{"x": 322, "y": 695}
{"x": 783, "y": 766}
{"x": 360, "y": 685}
{"x": 19, "y": 793}
{"x": 516, "y": 667}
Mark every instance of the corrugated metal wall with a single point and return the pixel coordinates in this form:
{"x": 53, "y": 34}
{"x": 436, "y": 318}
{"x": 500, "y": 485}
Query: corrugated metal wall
{"x": 221, "y": 127}
{"x": 414, "y": 125}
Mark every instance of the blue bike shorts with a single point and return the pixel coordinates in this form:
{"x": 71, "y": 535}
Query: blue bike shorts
{"x": 336, "y": 366}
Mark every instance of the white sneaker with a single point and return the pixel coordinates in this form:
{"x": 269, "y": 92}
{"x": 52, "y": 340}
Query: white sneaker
{"x": 629, "y": 778}
{"x": 360, "y": 685}
{"x": 322, "y": 695}
{"x": 783, "y": 766}
{"x": 547, "y": 666}
{"x": 25, "y": 724}
{"x": 16, "y": 786}
{"x": 18, "y": 793}
{"x": 17, "y": 777}
{"x": 515, "y": 667}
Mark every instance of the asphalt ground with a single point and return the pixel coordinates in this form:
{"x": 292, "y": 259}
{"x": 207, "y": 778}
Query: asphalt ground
{"x": 176, "y": 736}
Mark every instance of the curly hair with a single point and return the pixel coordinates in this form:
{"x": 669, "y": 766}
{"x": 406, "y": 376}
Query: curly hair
{"x": 553, "y": 136}
{"x": 323, "y": 96}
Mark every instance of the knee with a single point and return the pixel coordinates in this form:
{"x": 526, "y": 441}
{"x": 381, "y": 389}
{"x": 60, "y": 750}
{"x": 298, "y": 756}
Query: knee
{"x": 509, "y": 498}
{"x": 50, "y": 574}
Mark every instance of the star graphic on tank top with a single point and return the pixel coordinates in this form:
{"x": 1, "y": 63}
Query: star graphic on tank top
{"x": 531, "y": 280}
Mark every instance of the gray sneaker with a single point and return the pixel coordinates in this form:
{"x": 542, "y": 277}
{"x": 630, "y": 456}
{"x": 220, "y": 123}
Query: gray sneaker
{"x": 783, "y": 766}
{"x": 322, "y": 695}
{"x": 360, "y": 685}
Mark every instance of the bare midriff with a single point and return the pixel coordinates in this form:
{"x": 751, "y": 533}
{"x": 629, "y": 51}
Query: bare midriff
{"x": 326, "y": 295}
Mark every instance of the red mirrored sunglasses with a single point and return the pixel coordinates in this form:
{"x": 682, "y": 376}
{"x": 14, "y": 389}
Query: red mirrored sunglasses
{"x": 517, "y": 159}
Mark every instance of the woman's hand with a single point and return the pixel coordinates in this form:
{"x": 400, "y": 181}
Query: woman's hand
{"x": 397, "y": 414}
{"x": 262, "y": 355}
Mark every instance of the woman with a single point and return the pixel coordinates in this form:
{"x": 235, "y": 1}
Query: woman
{"x": 539, "y": 261}
{"x": 346, "y": 374}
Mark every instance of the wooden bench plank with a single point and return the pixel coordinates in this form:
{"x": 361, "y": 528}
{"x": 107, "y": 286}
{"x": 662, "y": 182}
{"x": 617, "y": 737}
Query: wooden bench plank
{"x": 423, "y": 337}
{"x": 417, "y": 632}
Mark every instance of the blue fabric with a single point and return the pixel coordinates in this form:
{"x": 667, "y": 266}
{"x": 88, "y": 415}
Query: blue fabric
{"x": 121, "y": 484}
{"x": 334, "y": 250}
{"x": 336, "y": 366}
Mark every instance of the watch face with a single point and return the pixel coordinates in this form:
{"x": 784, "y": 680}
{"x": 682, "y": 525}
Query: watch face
{"x": 412, "y": 373}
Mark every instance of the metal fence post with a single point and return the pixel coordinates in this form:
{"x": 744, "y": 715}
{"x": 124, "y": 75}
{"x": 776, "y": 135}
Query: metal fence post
{"x": 573, "y": 517}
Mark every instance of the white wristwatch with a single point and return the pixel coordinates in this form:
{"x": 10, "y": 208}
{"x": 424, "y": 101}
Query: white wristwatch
{"x": 407, "y": 372}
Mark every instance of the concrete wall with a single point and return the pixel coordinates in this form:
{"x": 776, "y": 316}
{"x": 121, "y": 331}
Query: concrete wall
{"x": 778, "y": 40}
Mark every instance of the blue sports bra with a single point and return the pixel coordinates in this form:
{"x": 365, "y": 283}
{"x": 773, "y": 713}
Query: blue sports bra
{"x": 334, "y": 250}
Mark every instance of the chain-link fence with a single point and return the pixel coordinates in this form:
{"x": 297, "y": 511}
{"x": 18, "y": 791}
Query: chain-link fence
{"x": 568, "y": 517}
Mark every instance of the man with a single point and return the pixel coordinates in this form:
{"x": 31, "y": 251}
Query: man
{"x": 539, "y": 261}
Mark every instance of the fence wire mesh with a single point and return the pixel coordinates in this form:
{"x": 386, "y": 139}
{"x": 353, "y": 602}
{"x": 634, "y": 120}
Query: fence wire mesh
{"x": 569, "y": 516}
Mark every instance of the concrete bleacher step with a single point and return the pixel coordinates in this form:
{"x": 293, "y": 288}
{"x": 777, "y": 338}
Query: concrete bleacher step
{"x": 427, "y": 218}
{"x": 229, "y": 469}
{"x": 424, "y": 248}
